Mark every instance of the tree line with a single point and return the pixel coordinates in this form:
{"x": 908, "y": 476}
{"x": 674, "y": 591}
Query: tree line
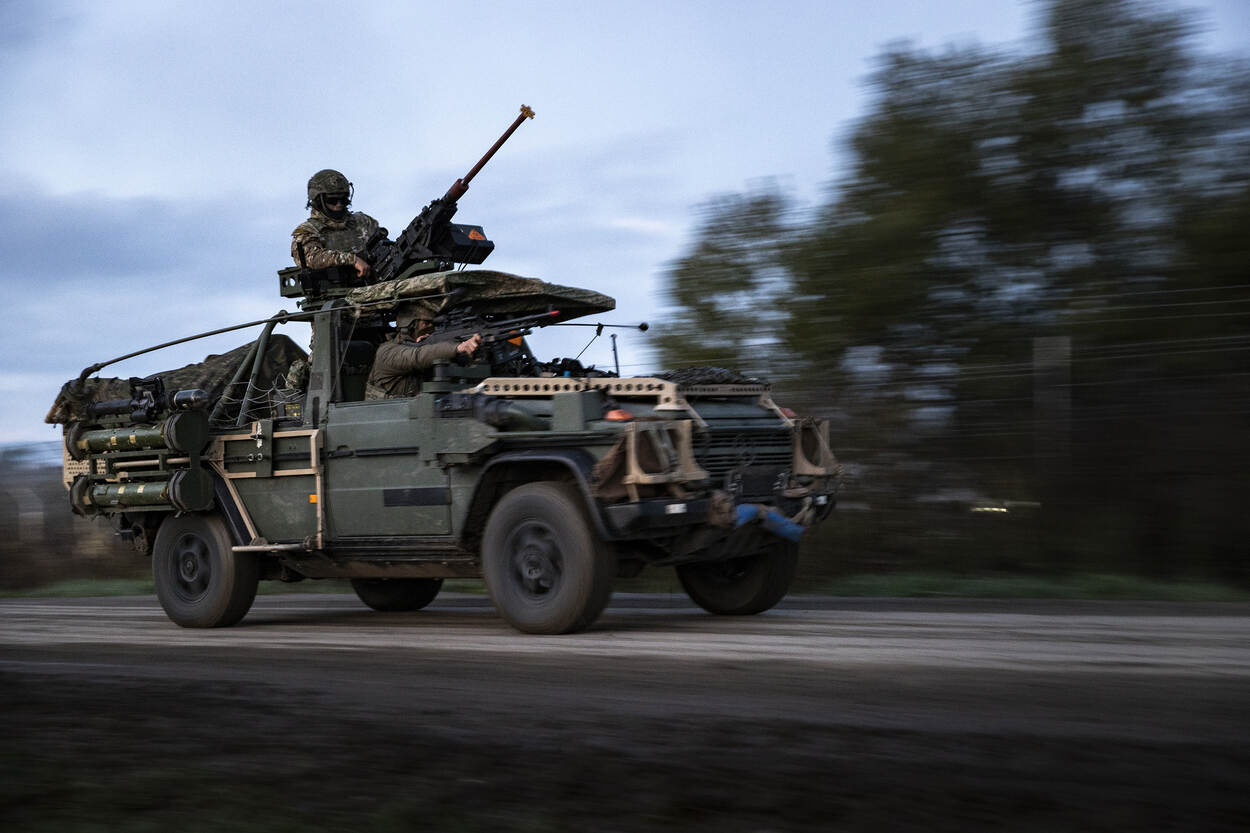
{"x": 1028, "y": 291}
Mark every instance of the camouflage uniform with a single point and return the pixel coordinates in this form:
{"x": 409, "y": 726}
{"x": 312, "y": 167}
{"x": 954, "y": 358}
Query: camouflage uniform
{"x": 330, "y": 242}
{"x": 398, "y": 365}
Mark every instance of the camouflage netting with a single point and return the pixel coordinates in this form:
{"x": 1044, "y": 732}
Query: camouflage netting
{"x": 483, "y": 291}
{"x": 212, "y": 375}
{"x": 708, "y": 376}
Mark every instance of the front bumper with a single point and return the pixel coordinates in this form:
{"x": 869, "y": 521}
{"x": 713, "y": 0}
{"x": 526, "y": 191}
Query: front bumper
{"x": 788, "y": 518}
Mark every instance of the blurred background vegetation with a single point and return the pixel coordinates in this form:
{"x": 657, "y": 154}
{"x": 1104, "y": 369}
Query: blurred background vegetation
{"x": 41, "y": 542}
{"x": 1025, "y": 308}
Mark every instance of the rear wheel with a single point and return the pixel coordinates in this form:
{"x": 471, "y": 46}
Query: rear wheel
{"x": 742, "y": 586}
{"x": 395, "y": 594}
{"x": 545, "y": 569}
{"x": 200, "y": 581}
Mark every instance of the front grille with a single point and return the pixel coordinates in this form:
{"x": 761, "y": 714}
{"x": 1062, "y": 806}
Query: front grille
{"x": 720, "y": 452}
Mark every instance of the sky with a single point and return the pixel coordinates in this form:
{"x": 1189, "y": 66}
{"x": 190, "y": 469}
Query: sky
{"x": 154, "y": 155}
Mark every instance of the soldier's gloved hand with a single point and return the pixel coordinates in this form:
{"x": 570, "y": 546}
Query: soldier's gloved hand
{"x": 469, "y": 346}
{"x": 362, "y": 266}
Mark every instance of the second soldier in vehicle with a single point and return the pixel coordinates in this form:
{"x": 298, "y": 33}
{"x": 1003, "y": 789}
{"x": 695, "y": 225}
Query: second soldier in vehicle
{"x": 403, "y": 359}
{"x": 332, "y": 235}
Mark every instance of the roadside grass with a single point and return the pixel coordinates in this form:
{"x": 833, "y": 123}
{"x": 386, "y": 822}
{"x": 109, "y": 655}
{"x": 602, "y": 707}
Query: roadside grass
{"x": 1083, "y": 586}
{"x": 80, "y": 587}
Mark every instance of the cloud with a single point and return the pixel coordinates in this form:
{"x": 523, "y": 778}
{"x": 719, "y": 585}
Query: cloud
{"x": 646, "y": 226}
{"x": 26, "y": 24}
{"x": 89, "y": 276}
{"x": 64, "y": 238}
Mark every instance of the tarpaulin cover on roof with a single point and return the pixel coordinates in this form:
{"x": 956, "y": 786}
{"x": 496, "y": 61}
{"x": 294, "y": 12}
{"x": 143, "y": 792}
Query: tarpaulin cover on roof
{"x": 212, "y": 375}
{"x": 484, "y": 292}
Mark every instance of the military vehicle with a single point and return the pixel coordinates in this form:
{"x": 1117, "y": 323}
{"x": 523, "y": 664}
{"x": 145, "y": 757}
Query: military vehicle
{"x": 546, "y": 479}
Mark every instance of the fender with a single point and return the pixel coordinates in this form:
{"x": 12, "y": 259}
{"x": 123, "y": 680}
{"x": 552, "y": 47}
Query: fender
{"x": 577, "y": 462}
{"x": 242, "y": 531}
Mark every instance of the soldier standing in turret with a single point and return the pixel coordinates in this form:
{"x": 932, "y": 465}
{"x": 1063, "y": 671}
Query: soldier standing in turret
{"x": 332, "y": 235}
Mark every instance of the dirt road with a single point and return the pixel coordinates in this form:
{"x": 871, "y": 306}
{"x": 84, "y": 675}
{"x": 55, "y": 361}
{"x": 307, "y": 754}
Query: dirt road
{"x": 826, "y": 714}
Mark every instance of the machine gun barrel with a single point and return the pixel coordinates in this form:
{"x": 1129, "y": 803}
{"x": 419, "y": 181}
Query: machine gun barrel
{"x": 456, "y": 191}
{"x": 431, "y": 236}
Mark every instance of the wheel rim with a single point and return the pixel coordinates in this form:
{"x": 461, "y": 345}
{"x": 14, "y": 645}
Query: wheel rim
{"x": 193, "y": 569}
{"x": 536, "y": 561}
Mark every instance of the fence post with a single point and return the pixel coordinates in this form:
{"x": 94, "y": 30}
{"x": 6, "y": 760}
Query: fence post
{"x": 1052, "y": 433}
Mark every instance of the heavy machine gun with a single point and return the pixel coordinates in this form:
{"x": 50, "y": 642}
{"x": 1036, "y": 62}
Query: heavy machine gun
{"x": 431, "y": 238}
{"x": 430, "y": 243}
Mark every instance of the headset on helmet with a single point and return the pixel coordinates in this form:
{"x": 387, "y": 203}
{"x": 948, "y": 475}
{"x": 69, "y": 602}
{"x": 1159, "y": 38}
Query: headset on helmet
{"x": 324, "y": 183}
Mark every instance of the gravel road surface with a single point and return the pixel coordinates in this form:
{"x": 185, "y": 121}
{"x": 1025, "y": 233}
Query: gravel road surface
{"x": 824, "y": 714}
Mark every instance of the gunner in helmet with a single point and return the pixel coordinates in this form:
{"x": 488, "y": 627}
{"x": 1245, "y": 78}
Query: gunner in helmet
{"x": 402, "y": 359}
{"x": 332, "y": 235}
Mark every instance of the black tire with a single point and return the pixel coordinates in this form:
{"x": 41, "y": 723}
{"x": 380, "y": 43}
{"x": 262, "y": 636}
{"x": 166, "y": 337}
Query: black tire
{"x": 389, "y": 595}
{"x": 545, "y": 569}
{"x": 200, "y": 581}
{"x": 741, "y": 586}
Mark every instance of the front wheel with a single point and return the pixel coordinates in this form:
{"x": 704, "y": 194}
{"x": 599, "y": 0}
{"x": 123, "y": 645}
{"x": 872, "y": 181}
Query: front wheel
{"x": 545, "y": 569}
{"x": 742, "y": 586}
{"x": 200, "y": 581}
{"x": 395, "y": 594}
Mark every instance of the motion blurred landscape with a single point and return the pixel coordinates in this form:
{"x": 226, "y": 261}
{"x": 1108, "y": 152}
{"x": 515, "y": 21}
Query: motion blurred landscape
{"x": 1024, "y": 306}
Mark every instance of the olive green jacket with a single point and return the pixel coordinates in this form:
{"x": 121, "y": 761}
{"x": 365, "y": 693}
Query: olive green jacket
{"x": 398, "y": 367}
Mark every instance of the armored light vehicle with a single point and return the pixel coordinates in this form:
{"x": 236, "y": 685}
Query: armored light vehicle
{"x": 546, "y": 479}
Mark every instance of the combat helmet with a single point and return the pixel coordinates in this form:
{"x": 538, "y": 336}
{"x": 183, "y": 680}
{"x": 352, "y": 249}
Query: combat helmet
{"x": 329, "y": 181}
{"x": 411, "y": 318}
